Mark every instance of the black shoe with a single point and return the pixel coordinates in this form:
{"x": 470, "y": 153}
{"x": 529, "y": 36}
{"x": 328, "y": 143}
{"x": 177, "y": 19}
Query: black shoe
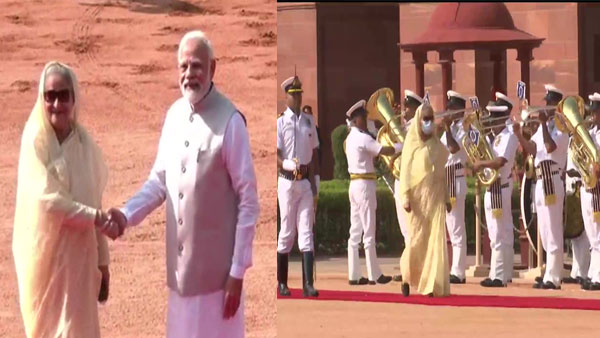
{"x": 539, "y": 280}
{"x": 397, "y": 278}
{"x": 103, "y": 294}
{"x": 586, "y": 285}
{"x": 430, "y": 295}
{"x": 383, "y": 279}
{"x": 282, "y": 274}
{"x": 489, "y": 283}
{"x": 594, "y": 287}
{"x": 455, "y": 280}
{"x": 308, "y": 290}
{"x": 361, "y": 281}
{"x": 538, "y": 285}
{"x": 405, "y": 289}
{"x": 570, "y": 280}
{"x": 283, "y": 290}
{"x": 550, "y": 286}
{"x": 580, "y": 280}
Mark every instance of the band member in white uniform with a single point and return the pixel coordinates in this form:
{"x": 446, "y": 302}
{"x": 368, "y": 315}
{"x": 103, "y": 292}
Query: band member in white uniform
{"x": 497, "y": 198}
{"x": 457, "y": 186}
{"x": 361, "y": 149}
{"x": 412, "y": 101}
{"x": 296, "y": 156}
{"x": 590, "y": 207}
{"x": 550, "y": 146}
{"x": 579, "y": 244}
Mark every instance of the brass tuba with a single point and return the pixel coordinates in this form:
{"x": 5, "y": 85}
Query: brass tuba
{"x": 477, "y": 147}
{"x": 380, "y": 108}
{"x": 584, "y": 153}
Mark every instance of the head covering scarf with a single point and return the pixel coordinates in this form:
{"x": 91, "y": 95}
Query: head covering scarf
{"x": 48, "y": 256}
{"x": 419, "y": 157}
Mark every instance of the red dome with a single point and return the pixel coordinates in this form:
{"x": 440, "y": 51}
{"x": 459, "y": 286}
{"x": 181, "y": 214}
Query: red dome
{"x": 487, "y": 15}
{"x": 470, "y": 25}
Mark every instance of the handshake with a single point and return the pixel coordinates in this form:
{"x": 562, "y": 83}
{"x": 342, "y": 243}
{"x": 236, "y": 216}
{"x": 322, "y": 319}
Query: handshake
{"x": 111, "y": 223}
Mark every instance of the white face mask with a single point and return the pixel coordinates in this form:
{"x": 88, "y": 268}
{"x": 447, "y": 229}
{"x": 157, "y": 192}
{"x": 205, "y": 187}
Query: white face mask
{"x": 427, "y": 127}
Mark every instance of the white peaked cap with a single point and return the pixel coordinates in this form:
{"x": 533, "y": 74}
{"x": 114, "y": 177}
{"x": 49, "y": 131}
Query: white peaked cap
{"x": 551, "y": 88}
{"x": 496, "y": 109}
{"x": 287, "y": 83}
{"x": 505, "y": 98}
{"x": 594, "y": 97}
{"x": 452, "y": 93}
{"x": 410, "y": 93}
{"x": 359, "y": 104}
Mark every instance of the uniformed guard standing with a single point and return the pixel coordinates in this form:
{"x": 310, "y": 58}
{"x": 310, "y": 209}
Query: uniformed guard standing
{"x": 361, "y": 149}
{"x": 296, "y": 155}
{"x": 457, "y": 186}
{"x": 412, "y": 101}
{"x": 550, "y": 146}
{"x": 497, "y": 198}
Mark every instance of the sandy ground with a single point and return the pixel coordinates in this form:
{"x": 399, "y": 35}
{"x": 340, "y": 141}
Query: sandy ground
{"x": 124, "y": 54}
{"x": 333, "y": 319}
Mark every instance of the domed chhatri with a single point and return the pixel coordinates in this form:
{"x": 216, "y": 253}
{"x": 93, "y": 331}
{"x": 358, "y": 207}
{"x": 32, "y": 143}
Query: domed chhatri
{"x": 469, "y": 24}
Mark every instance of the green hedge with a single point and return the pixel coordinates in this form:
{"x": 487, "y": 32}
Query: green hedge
{"x": 333, "y": 218}
{"x": 340, "y": 166}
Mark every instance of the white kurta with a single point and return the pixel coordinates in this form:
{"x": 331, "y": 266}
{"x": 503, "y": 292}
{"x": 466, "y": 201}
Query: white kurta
{"x": 202, "y": 311}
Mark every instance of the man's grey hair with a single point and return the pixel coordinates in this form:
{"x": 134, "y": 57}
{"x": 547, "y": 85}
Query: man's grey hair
{"x": 198, "y": 36}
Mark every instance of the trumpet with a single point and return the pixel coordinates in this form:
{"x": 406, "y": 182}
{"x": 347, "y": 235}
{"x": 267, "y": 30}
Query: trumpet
{"x": 494, "y": 122}
{"x": 451, "y": 112}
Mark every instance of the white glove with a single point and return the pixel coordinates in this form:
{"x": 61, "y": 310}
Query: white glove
{"x": 318, "y": 183}
{"x": 398, "y": 147}
{"x": 289, "y": 165}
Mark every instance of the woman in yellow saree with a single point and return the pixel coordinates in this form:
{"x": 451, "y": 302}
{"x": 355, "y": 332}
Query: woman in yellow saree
{"x": 424, "y": 262}
{"x": 57, "y": 246}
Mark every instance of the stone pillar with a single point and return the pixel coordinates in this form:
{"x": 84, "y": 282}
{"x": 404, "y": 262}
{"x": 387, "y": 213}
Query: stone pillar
{"x": 419, "y": 59}
{"x": 499, "y": 86}
{"x": 525, "y": 56}
{"x": 446, "y": 60}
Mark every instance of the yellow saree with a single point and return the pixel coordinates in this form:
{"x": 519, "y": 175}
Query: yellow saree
{"x": 55, "y": 245}
{"x": 424, "y": 262}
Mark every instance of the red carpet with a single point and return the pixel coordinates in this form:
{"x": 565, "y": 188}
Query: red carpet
{"x": 455, "y": 300}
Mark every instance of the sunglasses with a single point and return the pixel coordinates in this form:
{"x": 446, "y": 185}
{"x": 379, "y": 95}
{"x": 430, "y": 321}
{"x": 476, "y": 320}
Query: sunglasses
{"x": 63, "y": 95}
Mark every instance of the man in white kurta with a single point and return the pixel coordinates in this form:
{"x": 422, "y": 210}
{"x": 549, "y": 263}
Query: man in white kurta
{"x": 550, "y": 146}
{"x": 412, "y": 101}
{"x": 204, "y": 171}
{"x": 361, "y": 149}
{"x": 457, "y": 187}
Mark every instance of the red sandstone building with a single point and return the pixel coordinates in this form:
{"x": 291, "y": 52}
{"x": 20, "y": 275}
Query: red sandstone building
{"x": 344, "y": 52}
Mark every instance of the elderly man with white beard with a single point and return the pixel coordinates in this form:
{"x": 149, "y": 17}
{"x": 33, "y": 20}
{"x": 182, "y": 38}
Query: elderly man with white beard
{"x": 204, "y": 171}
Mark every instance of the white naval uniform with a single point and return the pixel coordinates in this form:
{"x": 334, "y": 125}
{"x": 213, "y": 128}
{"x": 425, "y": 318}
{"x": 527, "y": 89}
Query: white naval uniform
{"x": 193, "y": 314}
{"x": 592, "y": 227}
{"x": 296, "y": 138}
{"x": 400, "y": 205}
{"x": 500, "y": 228}
{"x": 455, "y": 219}
{"x": 361, "y": 149}
{"x": 580, "y": 244}
{"x": 550, "y": 217}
